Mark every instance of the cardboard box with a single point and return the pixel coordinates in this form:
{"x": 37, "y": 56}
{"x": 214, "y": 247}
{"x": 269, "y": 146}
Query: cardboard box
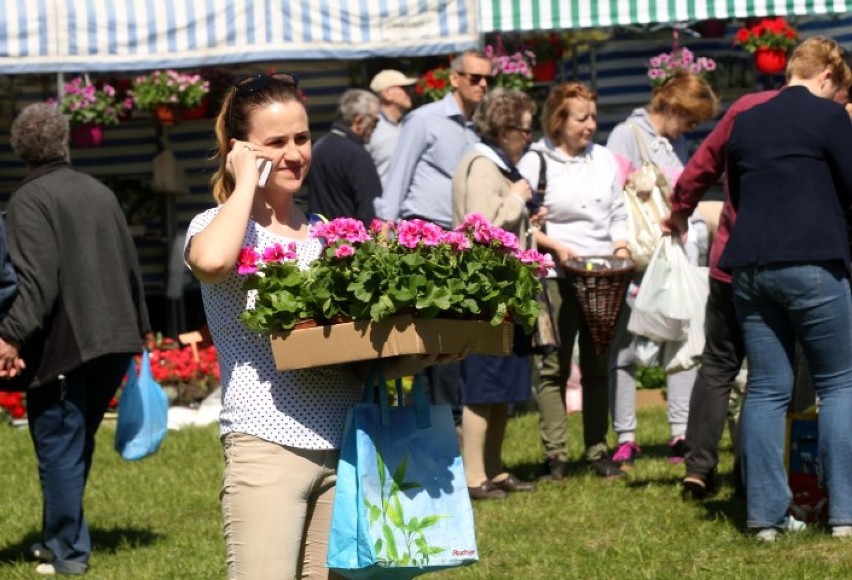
{"x": 398, "y": 335}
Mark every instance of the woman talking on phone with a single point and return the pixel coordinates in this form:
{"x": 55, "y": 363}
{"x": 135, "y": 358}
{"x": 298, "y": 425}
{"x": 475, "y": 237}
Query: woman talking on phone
{"x": 281, "y": 431}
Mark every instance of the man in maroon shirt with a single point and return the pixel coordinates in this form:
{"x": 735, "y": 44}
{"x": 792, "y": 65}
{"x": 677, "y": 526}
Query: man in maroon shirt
{"x": 724, "y": 350}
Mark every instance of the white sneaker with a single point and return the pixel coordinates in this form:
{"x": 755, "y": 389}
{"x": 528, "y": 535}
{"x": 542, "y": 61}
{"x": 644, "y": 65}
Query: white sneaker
{"x": 841, "y": 531}
{"x": 790, "y": 524}
{"x": 45, "y": 569}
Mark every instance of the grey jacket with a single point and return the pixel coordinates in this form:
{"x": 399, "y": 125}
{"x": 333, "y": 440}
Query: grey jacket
{"x": 80, "y": 292}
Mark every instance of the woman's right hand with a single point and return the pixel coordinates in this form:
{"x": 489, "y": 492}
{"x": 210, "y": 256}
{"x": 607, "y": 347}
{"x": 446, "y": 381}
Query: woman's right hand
{"x": 563, "y": 253}
{"x": 241, "y": 162}
{"x": 522, "y": 189}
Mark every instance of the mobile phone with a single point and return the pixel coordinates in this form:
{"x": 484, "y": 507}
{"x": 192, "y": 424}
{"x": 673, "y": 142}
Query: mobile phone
{"x": 264, "y": 166}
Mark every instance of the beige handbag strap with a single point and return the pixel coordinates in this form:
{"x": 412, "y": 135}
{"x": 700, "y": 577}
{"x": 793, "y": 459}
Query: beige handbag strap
{"x": 640, "y": 142}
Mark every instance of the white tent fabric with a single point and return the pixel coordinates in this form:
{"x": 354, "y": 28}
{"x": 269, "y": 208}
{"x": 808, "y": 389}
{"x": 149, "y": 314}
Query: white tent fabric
{"x": 128, "y": 35}
{"x": 517, "y": 15}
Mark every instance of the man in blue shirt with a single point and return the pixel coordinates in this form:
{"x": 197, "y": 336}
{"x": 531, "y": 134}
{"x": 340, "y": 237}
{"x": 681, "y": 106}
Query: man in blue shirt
{"x": 434, "y": 138}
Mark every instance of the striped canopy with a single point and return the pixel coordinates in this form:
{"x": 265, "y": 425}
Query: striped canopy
{"x": 127, "y": 35}
{"x": 512, "y": 15}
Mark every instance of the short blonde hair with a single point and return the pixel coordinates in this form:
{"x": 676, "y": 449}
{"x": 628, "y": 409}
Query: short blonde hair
{"x": 688, "y": 95}
{"x": 557, "y": 107}
{"x": 816, "y": 54}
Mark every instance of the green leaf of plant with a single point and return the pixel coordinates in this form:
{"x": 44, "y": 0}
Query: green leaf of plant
{"x": 387, "y": 532}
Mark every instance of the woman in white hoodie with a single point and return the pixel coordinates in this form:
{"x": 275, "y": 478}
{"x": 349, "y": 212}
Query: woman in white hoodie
{"x": 676, "y": 107}
{"x": 585, "y": 216}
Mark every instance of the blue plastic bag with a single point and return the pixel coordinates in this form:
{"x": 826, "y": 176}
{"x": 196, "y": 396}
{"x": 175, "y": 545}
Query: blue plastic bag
{"x": 401, "y": 508}
{"x": 143, "y": 413}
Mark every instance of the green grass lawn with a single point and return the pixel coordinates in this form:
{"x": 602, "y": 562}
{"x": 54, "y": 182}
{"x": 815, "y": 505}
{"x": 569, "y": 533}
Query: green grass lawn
{"x": 159, "y": 518}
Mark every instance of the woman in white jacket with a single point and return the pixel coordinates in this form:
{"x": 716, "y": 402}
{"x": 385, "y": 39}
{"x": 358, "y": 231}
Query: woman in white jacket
{"x": 585, "y": 216}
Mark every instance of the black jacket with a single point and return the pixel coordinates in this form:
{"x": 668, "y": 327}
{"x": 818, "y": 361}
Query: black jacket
{"x": 8, "y": 278}
{"x": 80, "y": 293}
{"x": 790, "y": 180}
{"x": 343, "y": 180}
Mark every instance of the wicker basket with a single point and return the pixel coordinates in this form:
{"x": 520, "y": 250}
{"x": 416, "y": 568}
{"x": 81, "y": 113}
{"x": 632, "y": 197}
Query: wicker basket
{"x": 600, "y": 283}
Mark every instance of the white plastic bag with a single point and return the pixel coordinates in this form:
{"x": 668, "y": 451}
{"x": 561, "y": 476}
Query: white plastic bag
{"x": 680, "y": 356}
{"x": 660, "y": 311}
{"x": 669, "y": 307}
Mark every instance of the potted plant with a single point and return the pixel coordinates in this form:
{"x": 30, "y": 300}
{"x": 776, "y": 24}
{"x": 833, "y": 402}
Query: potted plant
{"x": 548, "y": 50}
{"x": 410, "y": 268}
{"x": 769, "y": 40}
{"x": 665, "y": 65}
{"x": 89, "y": 109}
{"x": 167, "y": 93}
{"x": 512, "y": 70}
{"x": 434, "y": 84}
{"x": 187, "y": 375}
{"x": 13, "y": 406}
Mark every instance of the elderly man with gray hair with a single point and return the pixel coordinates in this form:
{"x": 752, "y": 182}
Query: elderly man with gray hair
{"x": 343, "y": 181}
{"x": 71, "y": 331}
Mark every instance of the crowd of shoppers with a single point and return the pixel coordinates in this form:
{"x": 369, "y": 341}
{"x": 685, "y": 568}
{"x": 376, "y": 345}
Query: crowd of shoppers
{"x": 779, "y": 276}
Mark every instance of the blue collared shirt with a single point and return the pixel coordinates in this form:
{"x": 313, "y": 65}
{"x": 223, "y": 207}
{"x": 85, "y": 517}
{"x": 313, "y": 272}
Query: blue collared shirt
{"x": 434, "y": 138}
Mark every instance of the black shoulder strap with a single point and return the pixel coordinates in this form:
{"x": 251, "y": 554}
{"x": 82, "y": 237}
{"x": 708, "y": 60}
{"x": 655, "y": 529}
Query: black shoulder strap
{"x": 542, "y": 175}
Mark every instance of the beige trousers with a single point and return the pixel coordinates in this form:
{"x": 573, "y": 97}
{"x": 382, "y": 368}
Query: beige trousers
{"x": 276, "y": 508}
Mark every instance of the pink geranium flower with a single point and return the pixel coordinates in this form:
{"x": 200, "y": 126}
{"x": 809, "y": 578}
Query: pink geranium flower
{"x": 247, "y": 261}
{"x": 347, "y": 229}
{"x": 278, "y": 253}
{"x": 543, "y": 262}
{"x": 344, "y": 251}
{"x": 458, "y": 241}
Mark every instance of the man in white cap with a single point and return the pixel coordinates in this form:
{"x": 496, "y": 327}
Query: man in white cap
{"x": 390, "y": 85}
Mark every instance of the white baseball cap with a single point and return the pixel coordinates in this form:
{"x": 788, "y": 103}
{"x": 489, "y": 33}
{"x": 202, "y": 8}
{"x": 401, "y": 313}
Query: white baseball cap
{"x": 390, "y": 78}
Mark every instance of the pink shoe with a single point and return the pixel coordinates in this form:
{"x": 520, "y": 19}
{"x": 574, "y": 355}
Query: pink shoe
{"x": 677, "y": 449}
{"x": 626, "y": 452}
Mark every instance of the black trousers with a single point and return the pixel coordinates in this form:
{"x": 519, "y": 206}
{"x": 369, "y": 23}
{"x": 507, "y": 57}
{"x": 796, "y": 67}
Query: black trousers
{"x": 721, "y": 361}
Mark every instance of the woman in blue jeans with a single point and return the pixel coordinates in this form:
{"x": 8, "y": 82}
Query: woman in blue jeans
{"x": 791, "y": 184}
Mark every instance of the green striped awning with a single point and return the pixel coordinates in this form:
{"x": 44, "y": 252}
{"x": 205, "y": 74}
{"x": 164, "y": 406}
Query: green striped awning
{"x": 509, "y": 15}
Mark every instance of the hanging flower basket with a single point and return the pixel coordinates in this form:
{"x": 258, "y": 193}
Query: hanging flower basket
{"x": 199, "y": 111}
{"x": 544, "y": 71}
{"x": 770, "y": 60}
{"x": 167, "y": 115}
{"x": 87, "y": 135}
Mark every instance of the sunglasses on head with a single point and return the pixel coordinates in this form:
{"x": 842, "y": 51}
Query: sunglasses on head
{"x": 253, "y": 83}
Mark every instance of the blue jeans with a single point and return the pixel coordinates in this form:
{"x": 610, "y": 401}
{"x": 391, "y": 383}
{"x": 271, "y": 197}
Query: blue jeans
{"x": 63, "y": 417}
{"x": 777, "y": 304}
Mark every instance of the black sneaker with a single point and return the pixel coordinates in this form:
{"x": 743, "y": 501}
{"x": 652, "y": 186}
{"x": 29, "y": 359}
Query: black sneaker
{"x": 554, "y": 469}
{"x": 605, "y": 467}
{"x": 698, "y": 487}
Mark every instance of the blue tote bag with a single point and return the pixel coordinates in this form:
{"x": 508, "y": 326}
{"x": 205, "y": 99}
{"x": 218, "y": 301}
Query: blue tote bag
{"x": 401, "y": 508}
{"x": 143, "y": 413}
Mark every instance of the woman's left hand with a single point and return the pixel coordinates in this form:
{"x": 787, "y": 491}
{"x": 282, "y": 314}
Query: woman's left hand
{"x": 539, "y": 217}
